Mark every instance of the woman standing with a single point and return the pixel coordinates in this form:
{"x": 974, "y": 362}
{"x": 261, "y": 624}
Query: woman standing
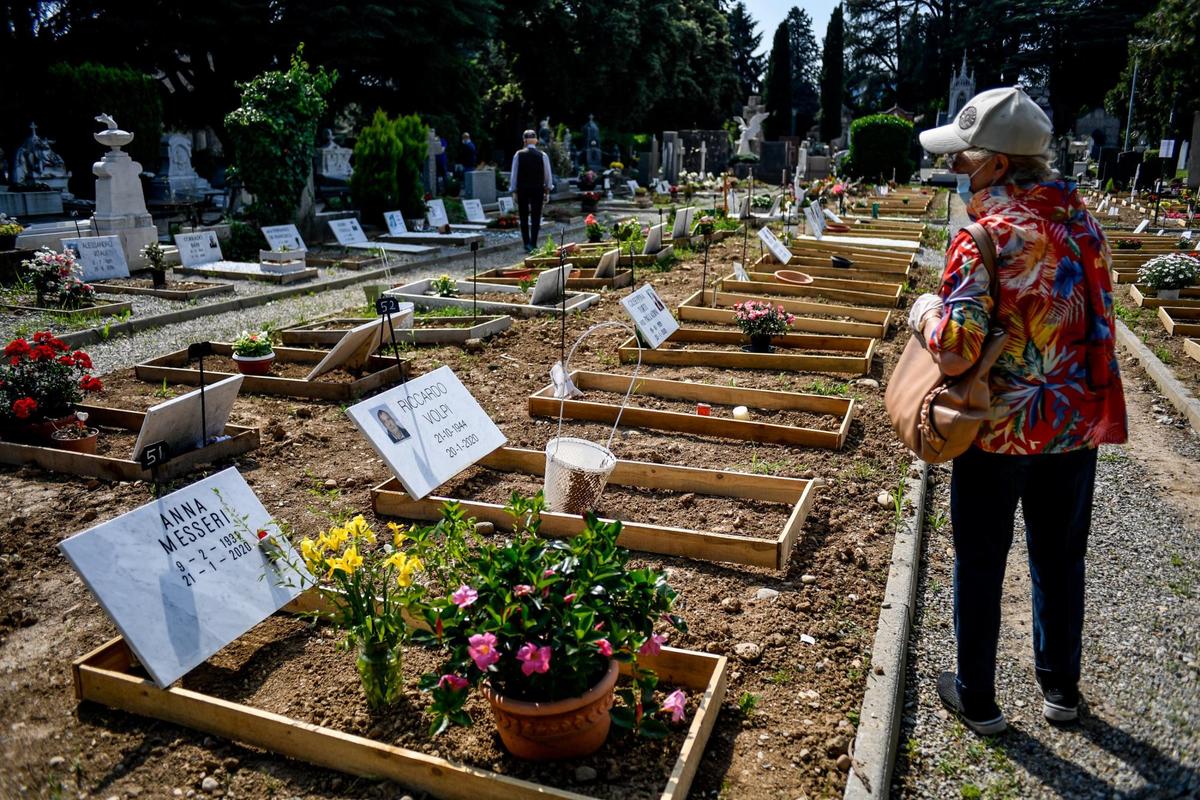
{"x": 1055, "y": 394}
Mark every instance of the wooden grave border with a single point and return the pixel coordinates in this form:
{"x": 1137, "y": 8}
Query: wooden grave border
{"x": 542, "y": 403}
{"x": 859, "y": 363}
{"x": 858, "y": 280}
{"x": 308, "y": 334}
{"x": 820, "y": 266}
{"x": 242, "y": 440}
{"x": 1180, "y": 320}
{"x": 109, "y": 676}
{"x": 1191, "y": 348}
{"x": 167, "y": 294}
{"x": 389, "y": 499}
{"x": 1144, "y": 297}
{"x": 620, "y": 279}
{"x": 175, "y": 368}
{"x": 833, "y": 289}
{"x": 720, "y": 311}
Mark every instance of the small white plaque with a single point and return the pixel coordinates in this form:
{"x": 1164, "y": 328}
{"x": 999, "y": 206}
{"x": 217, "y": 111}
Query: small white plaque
{"x": 279, "y": 236}
{"x": 683, "y": 222}
{"x": 551, "y": 283}
{"x": 1187, "y": 234}
{"x": 177, "y": 421}
{"x": 816, "y": 220}
{"x": 427, "y": 430}
{"x": 353, "y": 349}
{"x": 395, "y": 223}
{"x": 435, "y": 212}
{"x": 779, "y": 250}
{"x": 650, "y": 315}
{"x": 832, "y": 217}
{"x": 183, "y": 576}
{"x": 474, "y": 209}
{"x": 198, "y": 248}
{"x": 505, "y": 205}
{"x": 607, "y": 267}
{"x": 99, "y": 257}
{"x": 654, "y": 239}
{"x": 1113, "y": 212}
{"x": 662, "y": 187}
{"x": 347, "y": 231}
{"x": 1141, "y": 226}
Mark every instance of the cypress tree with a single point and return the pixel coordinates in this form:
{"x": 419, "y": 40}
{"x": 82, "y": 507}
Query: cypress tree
{"x": 832, "y": 77}
{"x": 779, "y": 85}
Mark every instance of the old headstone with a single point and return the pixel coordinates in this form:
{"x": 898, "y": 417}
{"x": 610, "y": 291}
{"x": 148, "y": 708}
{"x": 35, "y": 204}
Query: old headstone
{"x": 120, "y": 203}
{"x": 654, "y": 241}
{"x": 198, "y": 248}
{"x": 591, "y": 144}
{"x": 280, "y": 236}
{"x": 176, "y": 178}
{"x": 183, "y": 576}
{"x": 670, "y": 156}
{"x": 333, "y": 160}
{"x": 480, "y": 184}
{"x": 99, "y": 257}
{"x": 551, "y": 284}
{"x": 435, "y": 213}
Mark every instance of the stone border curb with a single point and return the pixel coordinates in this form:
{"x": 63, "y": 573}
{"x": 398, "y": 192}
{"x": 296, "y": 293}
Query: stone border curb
{"x": 137, "y": 324}
{"x": 1178, "y": 394}
{"x": 878, "y": 737}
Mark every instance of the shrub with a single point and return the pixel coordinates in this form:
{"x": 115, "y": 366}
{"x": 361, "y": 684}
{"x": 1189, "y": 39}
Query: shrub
{"x": 1171, "y": 271}
{"x": 879, "y": 144}
{"x": 414, "y": 137}
{"x": 244, "y": 241}
{"x": 273, "y": 133}
{"x": 375, "y": 184}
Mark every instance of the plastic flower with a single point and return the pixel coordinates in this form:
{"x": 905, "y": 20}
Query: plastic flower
{"x": 482, "y": 650}
{"x": 605, "y": 647}
{"x": 453, "y": 682}
{"x": 464, "y": 596}
{"x": 653, "y": 645}
{"x": 533, "y": 658}
{"x": 676, "y": 703}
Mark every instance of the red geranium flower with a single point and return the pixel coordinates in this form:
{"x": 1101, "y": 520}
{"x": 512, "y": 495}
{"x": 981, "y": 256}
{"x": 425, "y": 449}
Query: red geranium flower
{"x": 83, "y": 359}
{"x": 24, "y": 407}
{"x": 42, "y": 351}
{"x": 66, "y": 361}
{"x": 17, "y": 347}
{"x": 90, "y": 384}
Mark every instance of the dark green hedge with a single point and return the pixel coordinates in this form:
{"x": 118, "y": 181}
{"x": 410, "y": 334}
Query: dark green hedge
{"x": 879, "y": 144}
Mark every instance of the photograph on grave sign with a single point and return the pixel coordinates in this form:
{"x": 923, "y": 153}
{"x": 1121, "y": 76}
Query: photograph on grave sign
{"x": 505, "y": 204}
{"x": 281, "y": 236}
{"x": 99, "y": 257}
{"x": 550, "y": 285}
{"x": 607, "y": 266}
{"x": 347, "y": 231}
{"x": 779, "y": 251}
{"x": 474, "y": 211}
{"x": 436, "y": 213}
{"x": 395, "y": 223}
{"x": 427, "y": 430}
{"x": 650, "y": 315}
{"x": 198, "y": 248}
{"x": 177, "y": 421}
{"x": 353, "y": 349}
{"x": 183, "y": 576}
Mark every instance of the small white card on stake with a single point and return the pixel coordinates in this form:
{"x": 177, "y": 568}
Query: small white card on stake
{"x": 1141, "y": 226}
{"x": 650, "y": 315}
{"x": 427, "y": 430}
{"x": 779, "y": 251}
{"x": 279, "y": 236}
{"x": 183, "y": 576}
{"x": 198, "y": 248}
{"x": 99, "y": 257}
{"x": 739, "y": 272}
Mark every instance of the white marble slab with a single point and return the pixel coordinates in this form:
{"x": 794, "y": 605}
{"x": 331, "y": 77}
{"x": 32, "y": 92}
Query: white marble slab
{"x": 177, "y": 421}
{"x": 352, "y": 350}
{"x": 474, "y": 209}
{"x": 435, "y": 213}
{"x": 288, "y": 236}
{"x": 198, "y": 248}
{"x": 778, "y": 249}
{"x": 607, "y": 268}
{"x": 550, "y": 286}
{"x": 183, "y": 576}
{"x": 100, "y": 257}
{"x": 395, "y": 222}
{"x": 654, "y": 240}
{"x": 347, "y": 231}
{"x": 505, "y": 205}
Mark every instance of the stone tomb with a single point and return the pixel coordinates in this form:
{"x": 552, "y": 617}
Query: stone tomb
{"x": 183, "y": 576}
{"x": 200, "y": 254}
{"x": 349, "y": 234}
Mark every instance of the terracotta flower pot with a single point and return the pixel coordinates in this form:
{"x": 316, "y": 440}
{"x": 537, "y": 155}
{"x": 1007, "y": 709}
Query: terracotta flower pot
{"x": 37, "y": 432}
{"x": 563, "y": 729}
{"x": 83, "y": 444}
{"x": 255, "y": 365}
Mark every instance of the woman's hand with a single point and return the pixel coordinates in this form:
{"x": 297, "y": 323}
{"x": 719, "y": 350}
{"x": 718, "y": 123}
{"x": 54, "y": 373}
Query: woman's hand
{"x": 926, "y": 308}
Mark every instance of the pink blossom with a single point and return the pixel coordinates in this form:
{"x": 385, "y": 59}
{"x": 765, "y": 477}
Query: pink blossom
{"x": 548, "y": 573}
{"x": 605, "y": 647}
{"x": 533, "y": 658}
{"x": 482, "y": 650}
{"x": 522, "y": 589}
{"x": 570, "y": 598}
{"x": 676, "y": 703}
{"x": 464, "y": 596}
{"x": 653, "y": 645}
{"x": 453, "y": 682}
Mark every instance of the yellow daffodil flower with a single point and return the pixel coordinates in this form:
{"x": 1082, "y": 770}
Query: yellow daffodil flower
{"x": 335, "y": 538}
{"x": 348, "y": 563}
{"x": 311, "y": 552}
{"x": 396, "y": 560}
{"x": 398, "y": 534}
{"x": 405, "y": 578}
{"x": 359, "y": 529}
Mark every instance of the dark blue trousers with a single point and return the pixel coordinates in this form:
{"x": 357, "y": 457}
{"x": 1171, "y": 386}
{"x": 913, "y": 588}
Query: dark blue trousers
{"x": 1055, "y": 491}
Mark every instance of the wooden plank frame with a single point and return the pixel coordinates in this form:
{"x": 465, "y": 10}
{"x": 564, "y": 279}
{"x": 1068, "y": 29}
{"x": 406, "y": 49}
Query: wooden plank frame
{"x": 342, "y": 259}
{"x": 831, "y": 276}
{"x": 101, "y": 309}
{"x": 174, "y": 368}
{"x": 782, "y": 359}
{"x": 720, "y": 311}
{"x": 1180, "y": 321}
{"x": 168, "y": 294}
{"x": 242, "y": 440}
{"x": 414, "y": 293}
{"x": 542, "y": 403}
{"x": 389, "y": 499}
{"x": 1191, "y": 348}
{"x": 831, "y": 288}
{"x": 873, "y": 269}
{"x": 107, "y": 676}
{"x": 1144, "y": 297}
{"x": 425, "y": 330}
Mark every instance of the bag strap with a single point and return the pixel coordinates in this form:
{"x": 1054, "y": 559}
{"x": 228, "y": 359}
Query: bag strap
{"x": 987, "y": 252}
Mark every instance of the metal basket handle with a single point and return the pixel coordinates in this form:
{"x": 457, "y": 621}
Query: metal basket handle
{"x": 632, "y": 381}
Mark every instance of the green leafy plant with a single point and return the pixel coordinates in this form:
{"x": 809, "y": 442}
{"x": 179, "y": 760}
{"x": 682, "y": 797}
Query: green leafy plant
{"x": 444, "y": 286}
{"x": 252, "y": 344}
{"x": 156, "y": 259}
{"x": 375, "y": 183}
{"x": 747, "y": 703}
{"x": 9, "y": 226}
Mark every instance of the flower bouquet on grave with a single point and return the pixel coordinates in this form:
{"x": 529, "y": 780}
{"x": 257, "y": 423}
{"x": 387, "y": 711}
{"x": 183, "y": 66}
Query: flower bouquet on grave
{"x": 55, "y": 280}
{"x": 626, "y": 230}
{"x": 595, "y": 231}
{"x": 40, "y": 384}
{"x": 761, "y": 321}
{"x": 253, "y": 353}
{"x": 589, "y": 200}
{"x": 156, "y": 258}
{"x": 539, "y": 626}
{"x": 10, "y": 229}
{"x": 444, "y": 286}
{"x": 1169, "y": 273}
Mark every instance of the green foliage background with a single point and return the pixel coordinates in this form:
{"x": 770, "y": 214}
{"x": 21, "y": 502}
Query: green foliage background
{"x": 880, "y": 143}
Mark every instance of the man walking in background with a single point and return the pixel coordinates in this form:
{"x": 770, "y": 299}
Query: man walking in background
{"x": 531, "y": 181}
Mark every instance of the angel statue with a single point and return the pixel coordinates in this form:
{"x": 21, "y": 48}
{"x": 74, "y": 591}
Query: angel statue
{"x": 750, "y": 132}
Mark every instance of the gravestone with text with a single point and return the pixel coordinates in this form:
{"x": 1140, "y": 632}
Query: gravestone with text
{"x": 178, "y": 421}
{"x": 100, "y": 257}
{"x": 649, "y": 313}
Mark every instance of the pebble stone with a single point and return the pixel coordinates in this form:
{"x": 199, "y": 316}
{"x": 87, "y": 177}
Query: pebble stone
{"x": 748, "y": 651}
{"x": 766, "y": 594}
{"x": 210, "y": 784}
{"x": 584, "y": 774}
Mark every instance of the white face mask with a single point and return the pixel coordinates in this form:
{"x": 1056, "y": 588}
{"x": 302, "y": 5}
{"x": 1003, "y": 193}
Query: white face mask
{"x": 964, "y": 184}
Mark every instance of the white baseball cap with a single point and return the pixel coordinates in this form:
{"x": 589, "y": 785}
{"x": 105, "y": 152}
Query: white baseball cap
{"x": 1002, "y": 120}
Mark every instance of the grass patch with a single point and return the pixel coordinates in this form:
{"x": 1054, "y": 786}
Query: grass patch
{"x": 828, "y": 388}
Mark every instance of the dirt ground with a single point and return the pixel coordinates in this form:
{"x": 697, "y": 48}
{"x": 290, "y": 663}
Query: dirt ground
{"x": 787, "y": 715}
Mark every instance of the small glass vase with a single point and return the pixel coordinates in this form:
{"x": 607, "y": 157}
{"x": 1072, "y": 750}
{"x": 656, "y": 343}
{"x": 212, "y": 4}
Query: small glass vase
{"x": 379, "y": 670}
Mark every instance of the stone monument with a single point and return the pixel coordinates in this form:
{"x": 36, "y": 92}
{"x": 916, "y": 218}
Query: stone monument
{"x": 333, "y": 160}
{"x": 120, "y": 204}
{"x": 433, "y": 149}
{"x": 591, "y": 144}
{"x": 750, "y": 123}
{"x": 962, "y": 89}
{"x": 36, "y": 162}
{"x": 176, "y": 178}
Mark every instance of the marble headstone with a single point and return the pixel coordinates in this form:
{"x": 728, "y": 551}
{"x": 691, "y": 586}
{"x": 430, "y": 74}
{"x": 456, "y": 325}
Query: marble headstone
{"x": 395, "y": 223}
{"x": 653, "y": 240}
{"x": 347, "y": 231}
{"x": 607, "y": 267}
{"x": 436, "y": 213}
{"x": 284, "y": 236}
{"x": 353, "y": 349}
{"x": 505, "y": 205}
{"x": 551, "y": 284}
{"x": 198, "y": 248}
{"x": 474, "y": 209}
{"x": 183, "y": 576}
{"x": 177, "y": 421}
{"x": 100, "y": 257}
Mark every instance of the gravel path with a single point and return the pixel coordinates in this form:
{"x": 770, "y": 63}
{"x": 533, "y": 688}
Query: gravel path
{"x": 1140, "y": 733}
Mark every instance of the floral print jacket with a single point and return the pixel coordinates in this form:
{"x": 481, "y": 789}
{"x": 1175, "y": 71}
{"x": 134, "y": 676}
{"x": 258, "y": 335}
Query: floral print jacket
{"x": 1056, "y": 387}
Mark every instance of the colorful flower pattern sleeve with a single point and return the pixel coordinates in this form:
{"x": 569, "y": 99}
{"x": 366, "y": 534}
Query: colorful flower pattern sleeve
{"x": 1056, "y": 387}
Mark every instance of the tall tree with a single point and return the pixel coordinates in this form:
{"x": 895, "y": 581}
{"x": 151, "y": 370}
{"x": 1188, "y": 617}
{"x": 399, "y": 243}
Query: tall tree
{"x": 832, "y": 77}
{"x": 744, "y": 41}
{"x": 802, "y": 46}
{"x": 779, "y": 85}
